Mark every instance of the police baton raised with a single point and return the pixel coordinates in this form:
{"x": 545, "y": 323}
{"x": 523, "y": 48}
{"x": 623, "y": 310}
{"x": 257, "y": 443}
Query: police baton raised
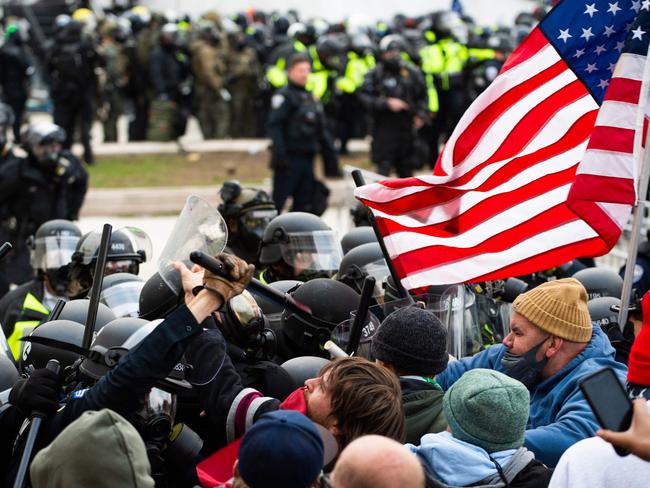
{"x": 357, "y": 176}
{"x": 4, "y": 249}
{"x": 215, "y": 266}
{"x": 36, "y": 419}
{"x": 361, "y": 315}
{"x": 96, "y": 288}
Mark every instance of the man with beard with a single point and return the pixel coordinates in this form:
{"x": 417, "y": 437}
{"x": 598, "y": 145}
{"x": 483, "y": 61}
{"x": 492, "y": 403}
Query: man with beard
{"x": 551, "y": 346}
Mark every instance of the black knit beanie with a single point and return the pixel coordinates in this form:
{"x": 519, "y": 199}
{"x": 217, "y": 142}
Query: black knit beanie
{"x": 413, "y": 340}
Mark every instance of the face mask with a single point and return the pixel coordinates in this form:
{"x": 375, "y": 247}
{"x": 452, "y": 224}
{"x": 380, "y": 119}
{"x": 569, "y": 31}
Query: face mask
{"x": 525, "y": 367}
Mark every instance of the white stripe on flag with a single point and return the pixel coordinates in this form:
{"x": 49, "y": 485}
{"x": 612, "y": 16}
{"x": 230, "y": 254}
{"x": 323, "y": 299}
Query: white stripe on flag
{"x": 630, "y": 66}
{"x": 607, "y": 163}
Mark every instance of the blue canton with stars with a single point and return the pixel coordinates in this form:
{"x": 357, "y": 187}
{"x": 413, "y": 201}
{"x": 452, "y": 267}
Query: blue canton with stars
{"x": 591, "y": 35}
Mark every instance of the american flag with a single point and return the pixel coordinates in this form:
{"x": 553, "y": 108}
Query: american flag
{"x": 540, "y": 168}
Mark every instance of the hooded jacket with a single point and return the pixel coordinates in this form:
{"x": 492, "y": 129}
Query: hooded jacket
{"x": 100, "y": 449}
{"x": 423, "y": 408}
{"x": 559, "y": 413}
{"x": 450, "y": 462}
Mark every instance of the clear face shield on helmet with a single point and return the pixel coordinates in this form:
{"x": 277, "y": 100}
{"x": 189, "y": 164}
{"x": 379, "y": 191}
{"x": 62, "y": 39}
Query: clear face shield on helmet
{"x": 312, "y": 252}
{"x": 129, "y": 247}
{"x": 53, "y": 252}
{"x": 123, "y": 298}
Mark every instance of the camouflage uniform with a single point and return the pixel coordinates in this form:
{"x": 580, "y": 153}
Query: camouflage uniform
{"x": 112, "y": 91}
{"x": 209, "y": 68}
{"x": 243, "y": 75}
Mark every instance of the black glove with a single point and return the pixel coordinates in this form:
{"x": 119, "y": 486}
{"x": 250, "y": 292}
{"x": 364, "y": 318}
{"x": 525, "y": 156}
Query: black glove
{"x": 38, "y": 393}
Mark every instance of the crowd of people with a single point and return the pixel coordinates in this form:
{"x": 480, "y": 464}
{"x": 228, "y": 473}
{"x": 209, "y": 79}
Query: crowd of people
{"x": 201, "y": 377}
{"x": 160, "y": 68}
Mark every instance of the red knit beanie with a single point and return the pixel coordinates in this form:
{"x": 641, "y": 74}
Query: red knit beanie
{"x": 639, "y": 362}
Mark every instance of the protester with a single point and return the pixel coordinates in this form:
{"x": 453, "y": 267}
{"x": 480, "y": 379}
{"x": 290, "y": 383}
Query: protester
{"x": 593, "y": 462}
{"x": 412, "y": 343}
{"x": 487, "y": 413}
{"x": 373, "y": 461}
{"x": 551, "y": 346}
{"x": 99, "y": 449}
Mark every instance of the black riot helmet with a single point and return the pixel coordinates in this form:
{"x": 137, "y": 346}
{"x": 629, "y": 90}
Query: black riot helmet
{"x": 330, "y": 49}
{"x": 6, "y": 122}
{"x": 247, "y": 212}
{"x": 330, "y": 302}
{"x": 364, "y": 260}
{"x": 304, "y": 368}
{"x": 129, "y": 247}
{"x": 271, "y": 309}
{"x": 303, "y": 242}
{"x": 51, "y": 250}
{"x": 77, "y": 311}
{"x": 362, "y": 45}
{"x": 360, "y": 215}
{"x": 121, "y": 293}
{"x": 43, "y": 142}
{"x": 600, "y": 282}
{"x": 63, "y": 332}
{"x": 157, "y": 299}
{"x": 113, "y": 335}
{"x": 8, "y": 373}
{"x": 604, "y": 312}
{"x": 393, "y": 42}
{"x": 357, "y": 236}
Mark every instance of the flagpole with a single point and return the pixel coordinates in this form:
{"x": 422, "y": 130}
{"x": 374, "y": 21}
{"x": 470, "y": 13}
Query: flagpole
{"x": 643, "y": 169}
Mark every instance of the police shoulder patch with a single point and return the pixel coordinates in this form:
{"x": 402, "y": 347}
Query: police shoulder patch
{"x": 277, "y": 100}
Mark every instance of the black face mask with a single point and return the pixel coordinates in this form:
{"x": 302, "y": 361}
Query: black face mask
{"x": 393, "y": 64}
{"x": 525, "y": 367}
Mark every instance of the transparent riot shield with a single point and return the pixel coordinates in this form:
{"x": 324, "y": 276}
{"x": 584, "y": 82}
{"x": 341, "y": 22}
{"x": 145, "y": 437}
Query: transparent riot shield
{"x": 200, "y": 227}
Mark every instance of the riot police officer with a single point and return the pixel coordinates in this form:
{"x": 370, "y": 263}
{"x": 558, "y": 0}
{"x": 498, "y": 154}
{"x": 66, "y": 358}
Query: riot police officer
{"x": 15, "y": 72}
{"x": 248, "y": 212}
{"x": 299, "y": 246}
{"x": 395, "y": 95}
{"x": 25, "y": 307}
{"x": 50, "y": 183}
{"x": 298, "y": 131}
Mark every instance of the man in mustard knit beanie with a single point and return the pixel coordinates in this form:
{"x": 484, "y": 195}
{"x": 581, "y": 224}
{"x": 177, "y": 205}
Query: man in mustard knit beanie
{"x": 550, "y": 348}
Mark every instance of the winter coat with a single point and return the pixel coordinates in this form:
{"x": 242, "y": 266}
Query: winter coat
{"x": 423, "y": 408}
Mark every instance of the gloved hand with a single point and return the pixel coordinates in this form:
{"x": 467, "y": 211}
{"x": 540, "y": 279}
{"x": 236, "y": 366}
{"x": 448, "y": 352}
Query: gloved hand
{"x": 40, "y": 392}
{"x": 240, "y": 273}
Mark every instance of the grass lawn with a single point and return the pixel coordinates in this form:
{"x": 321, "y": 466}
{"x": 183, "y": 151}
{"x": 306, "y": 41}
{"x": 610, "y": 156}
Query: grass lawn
{"x": 191, "y": 169}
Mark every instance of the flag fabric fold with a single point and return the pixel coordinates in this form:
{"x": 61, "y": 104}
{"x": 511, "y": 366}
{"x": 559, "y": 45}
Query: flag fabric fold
{"x": 541, "y": 167}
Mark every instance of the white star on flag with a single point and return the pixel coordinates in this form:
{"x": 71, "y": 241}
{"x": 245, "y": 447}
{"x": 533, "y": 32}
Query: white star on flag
{"x": 619, "y": 46}
{"x": 591, "y": 9}
{"x": 579, "y": 52}
{"x": 564, "y": 35}
{"x": 603, "y": 84}
{"x": 600, "y": 49}
{"x": 638, "y": 33}
{"x": 646, "y": 5}
{"x": 586, "y": 33}
{"x": 636, "y": 5}
{"x": 612, "y": 67}
{"x": 609, "y": 29}
{"x": 591, "y": 68}
{"x": 613, "y": 8}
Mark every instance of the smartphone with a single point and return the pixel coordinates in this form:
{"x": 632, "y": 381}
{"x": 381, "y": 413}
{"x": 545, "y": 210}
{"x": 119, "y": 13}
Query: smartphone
{"x": 609, "y": 401}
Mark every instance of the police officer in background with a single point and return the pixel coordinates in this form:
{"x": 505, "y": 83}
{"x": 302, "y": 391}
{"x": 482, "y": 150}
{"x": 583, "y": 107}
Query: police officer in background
{"x": 6, "y": 122}
{"x": 298, "y": 131}
{"x": 25, "y": 307}
{"x": 396, "y": 97}
{"x": 72, "y": 64}
{"x": 49, "y": 183}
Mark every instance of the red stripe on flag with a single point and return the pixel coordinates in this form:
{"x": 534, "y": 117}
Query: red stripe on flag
{"x": 534, "y": 121}
{"x": 623, "y": 90}
{"x": 486, "y": 209}
{"x": 612, "y": 139}
{"x": 432, "y": 256}
{"x": 530, "y": 46}
{"x": 475, "y": 131}
{"x": 606, "y": 188}
{"x": 548, "y": 259}
{"x": 437, "y": 194}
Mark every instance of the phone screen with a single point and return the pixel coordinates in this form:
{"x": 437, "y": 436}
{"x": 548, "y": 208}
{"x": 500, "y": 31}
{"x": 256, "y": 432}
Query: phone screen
{"x": 608, "y": 400}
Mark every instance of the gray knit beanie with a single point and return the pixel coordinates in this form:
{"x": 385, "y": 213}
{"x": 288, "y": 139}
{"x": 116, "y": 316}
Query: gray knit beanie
{"x": 488, "y": 409}
{"x": 413, "y": 340}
